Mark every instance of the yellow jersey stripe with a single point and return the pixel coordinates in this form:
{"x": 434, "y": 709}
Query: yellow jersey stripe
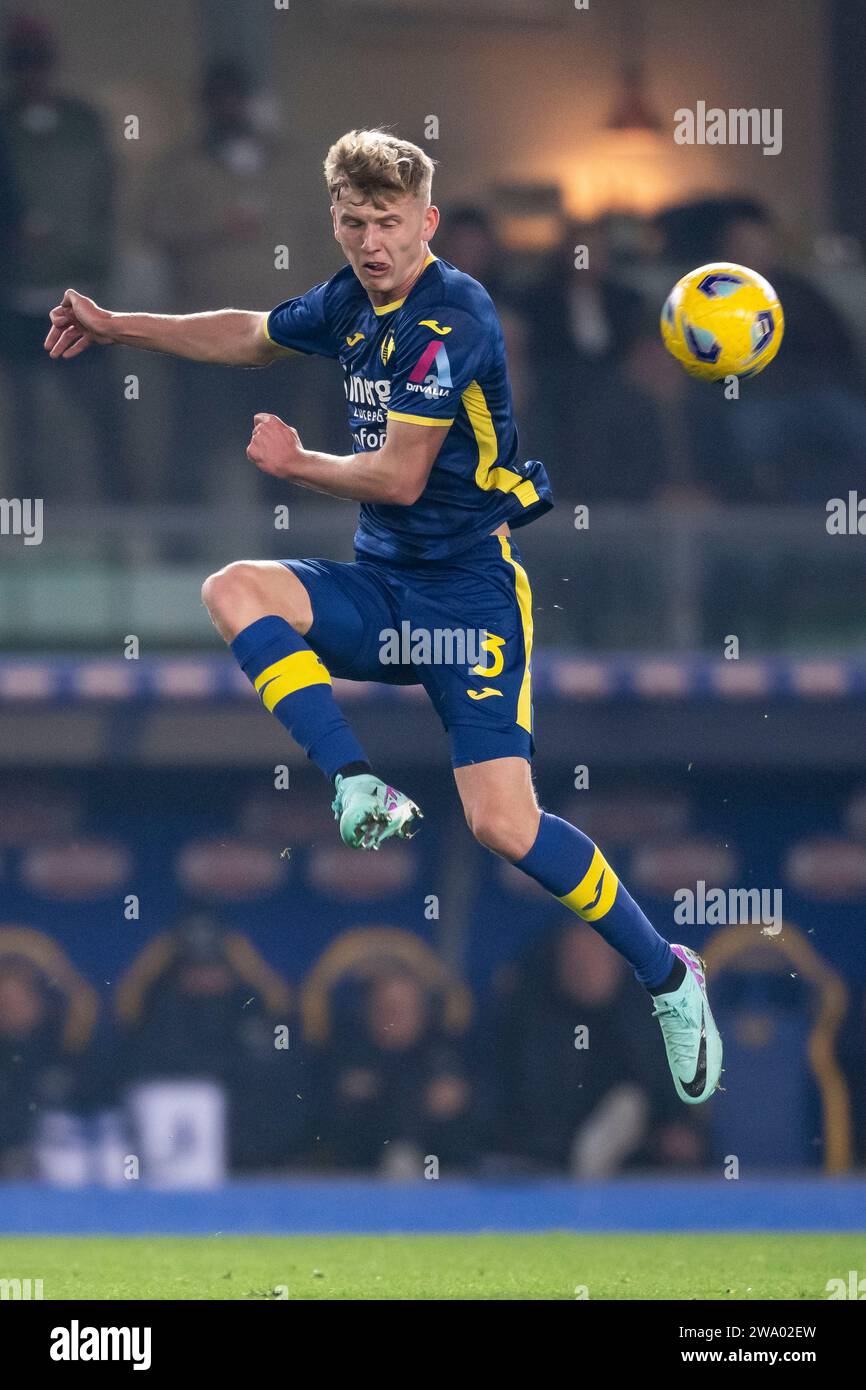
{"x": 290, "y": 673}
{"x": 416, "y": 419}
{"x": 487, "y": 476}
{"x": 290, "y": 352}
{"x": 389, "y": 308}
{"x": 524, "y": 603}
{"x": 395, "y": 303}
{"x": 593, "y": 897}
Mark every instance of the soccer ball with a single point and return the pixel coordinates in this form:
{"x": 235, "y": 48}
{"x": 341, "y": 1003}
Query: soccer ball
{"x": 722, "y": 320}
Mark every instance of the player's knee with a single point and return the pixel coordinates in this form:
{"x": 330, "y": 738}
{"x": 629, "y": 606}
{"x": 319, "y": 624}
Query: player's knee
{"x": 245, "y": 590}
{"x": 503, "y": 832}
{"x": 222, "y": 592}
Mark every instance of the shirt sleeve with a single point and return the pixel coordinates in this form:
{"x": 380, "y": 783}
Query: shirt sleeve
{"x": 436, "y": 358}
{"x": 301, "y": 324}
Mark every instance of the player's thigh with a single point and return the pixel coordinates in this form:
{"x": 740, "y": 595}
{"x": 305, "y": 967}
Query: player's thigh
{"x": 350, "y": 606}
{"x": 479, "y": 674}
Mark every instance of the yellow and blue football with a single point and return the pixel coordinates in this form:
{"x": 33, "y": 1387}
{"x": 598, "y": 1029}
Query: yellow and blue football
{"x": 722, "y": 320}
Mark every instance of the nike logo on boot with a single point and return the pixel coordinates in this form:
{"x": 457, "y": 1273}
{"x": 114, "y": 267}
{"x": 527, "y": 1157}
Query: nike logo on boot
{"x": 699, "y": 1080}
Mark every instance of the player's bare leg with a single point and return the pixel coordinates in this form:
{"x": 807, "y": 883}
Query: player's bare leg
{"x": 500, "y": 805}
{"x": 503, "y": 814}
{"x": 247, "y": 590}
{"x": 262, "y": 609}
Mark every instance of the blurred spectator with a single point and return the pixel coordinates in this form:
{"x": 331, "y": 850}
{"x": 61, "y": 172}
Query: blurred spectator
{"x": 200, "y": 1003}
{"x": 598, "y": 427}
{"x": 35, "y": 1074}
{"x": 62, "y": 178}
{"x": 218, "y": 208}
{"x": 583, "y": 311}
{"x": 467, "y": 239}
{"x": 213, "y": 205}
{"x": 582, "y": 1087}
{"x": 10, "y": 234}
{"x": 394, "y": 1090}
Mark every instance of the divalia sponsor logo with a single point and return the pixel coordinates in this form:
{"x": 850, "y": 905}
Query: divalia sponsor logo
{"x": 432, "y": 362}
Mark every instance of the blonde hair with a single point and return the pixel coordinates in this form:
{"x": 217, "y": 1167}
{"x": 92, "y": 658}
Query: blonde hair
{"x": 377, "y": 166}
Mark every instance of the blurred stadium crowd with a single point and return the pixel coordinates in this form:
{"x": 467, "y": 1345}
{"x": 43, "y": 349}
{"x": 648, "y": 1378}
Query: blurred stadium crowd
{"x": 251, "y": 1012}
{"x": 393, "y": 1081}
{"x": 390, "y": 1080}
{"x": 591, "y": 380}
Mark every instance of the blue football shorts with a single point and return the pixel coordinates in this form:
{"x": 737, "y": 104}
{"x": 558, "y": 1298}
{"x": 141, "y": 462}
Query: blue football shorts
{"x": 461, "y": 628}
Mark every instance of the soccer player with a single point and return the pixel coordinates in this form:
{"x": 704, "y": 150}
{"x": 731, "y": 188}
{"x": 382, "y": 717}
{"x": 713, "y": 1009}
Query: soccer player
{"x": 436, "y": 471}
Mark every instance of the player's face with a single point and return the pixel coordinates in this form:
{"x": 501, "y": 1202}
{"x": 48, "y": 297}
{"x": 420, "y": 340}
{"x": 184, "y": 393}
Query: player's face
{"x": 385, "y": 247}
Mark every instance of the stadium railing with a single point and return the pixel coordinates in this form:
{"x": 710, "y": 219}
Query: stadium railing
{"x": 649, "y": 577}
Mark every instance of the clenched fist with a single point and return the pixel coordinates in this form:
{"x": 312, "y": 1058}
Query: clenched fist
{"x": 75, "y": 324}
{"x": 274, "y": 446}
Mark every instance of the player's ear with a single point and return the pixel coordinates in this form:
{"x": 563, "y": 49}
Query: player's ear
{"x": 431, "y": 221}
{"x": 334, "y": 221}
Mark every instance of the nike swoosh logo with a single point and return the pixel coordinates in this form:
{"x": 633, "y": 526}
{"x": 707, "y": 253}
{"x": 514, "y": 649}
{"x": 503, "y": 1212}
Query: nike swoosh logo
{"x": 355, "y": 338}
{"x": 699, "y": 1081}
{"x": 267, "y": 685}
{"x": 432, "y": 323}
{"x": 587, "y": 906}
{"x": 482, "y": 694}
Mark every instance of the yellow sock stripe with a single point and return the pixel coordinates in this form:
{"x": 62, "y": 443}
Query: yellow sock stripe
{"x": 289, "y": 674}
{"x": 591, "y": 900}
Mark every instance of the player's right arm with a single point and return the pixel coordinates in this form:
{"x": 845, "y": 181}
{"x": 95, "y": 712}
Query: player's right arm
{"x": 232, "y": 337}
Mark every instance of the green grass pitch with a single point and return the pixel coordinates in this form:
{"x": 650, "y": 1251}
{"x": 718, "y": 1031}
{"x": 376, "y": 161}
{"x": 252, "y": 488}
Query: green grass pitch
{"x": 552, "y": 1266}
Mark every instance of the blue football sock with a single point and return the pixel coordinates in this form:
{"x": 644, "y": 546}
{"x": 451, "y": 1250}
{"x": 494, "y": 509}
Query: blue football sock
{"x": 295, "y": 685}
{"x": 567, "y": 863}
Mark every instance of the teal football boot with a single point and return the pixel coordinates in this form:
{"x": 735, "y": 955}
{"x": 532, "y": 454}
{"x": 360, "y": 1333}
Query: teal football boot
{"x": 369, "y": 811}
{"x": 692, "y": 1039}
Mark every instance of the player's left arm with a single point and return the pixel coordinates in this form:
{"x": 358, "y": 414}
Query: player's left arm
{"x": 396, "y": 474}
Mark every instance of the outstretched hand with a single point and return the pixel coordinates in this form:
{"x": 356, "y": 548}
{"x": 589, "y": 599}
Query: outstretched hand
{"x": 75, "y": 324}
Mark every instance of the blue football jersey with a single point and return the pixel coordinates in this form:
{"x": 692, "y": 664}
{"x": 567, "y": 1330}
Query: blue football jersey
{"x": 436, "y": 357}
